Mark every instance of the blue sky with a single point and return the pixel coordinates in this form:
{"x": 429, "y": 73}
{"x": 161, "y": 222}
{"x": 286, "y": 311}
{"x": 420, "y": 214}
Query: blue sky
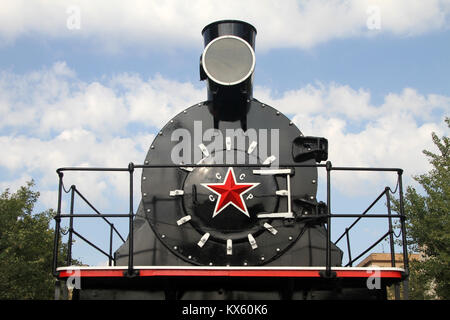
{"x": 89, "y": 83}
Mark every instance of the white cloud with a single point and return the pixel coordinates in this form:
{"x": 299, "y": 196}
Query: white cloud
{"x": 54, "y": 99}
{"x": 359, "y": 133}
{"x": 41, "y": 157}
{"x": 167, "y": 97}
{"x": 117, "y": 24}
{"x": 15, "y": 184}
{"x": 65, "y": 121}
{"x": 50, "y": 119}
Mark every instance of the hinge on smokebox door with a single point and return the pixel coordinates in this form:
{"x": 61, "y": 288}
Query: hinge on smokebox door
{"x": 284, "y": 215}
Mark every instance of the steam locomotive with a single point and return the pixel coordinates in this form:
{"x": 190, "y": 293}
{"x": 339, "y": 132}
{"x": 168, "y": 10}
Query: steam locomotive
{"x": 229, "y": 185}
{"x": 236, "y": 216}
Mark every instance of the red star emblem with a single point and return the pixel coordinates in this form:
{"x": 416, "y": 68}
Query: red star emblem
{"x": 230, "y": 192}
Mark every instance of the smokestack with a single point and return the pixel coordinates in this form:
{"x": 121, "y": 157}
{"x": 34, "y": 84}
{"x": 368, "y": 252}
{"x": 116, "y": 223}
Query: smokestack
{"x": 228, "y": 64}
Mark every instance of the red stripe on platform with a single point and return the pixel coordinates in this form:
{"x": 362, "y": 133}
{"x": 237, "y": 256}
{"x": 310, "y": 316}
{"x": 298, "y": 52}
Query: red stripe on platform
{"x": 367, "y": 274}
{"x": 231, "y": 273}
{"x": 91, "y": 273}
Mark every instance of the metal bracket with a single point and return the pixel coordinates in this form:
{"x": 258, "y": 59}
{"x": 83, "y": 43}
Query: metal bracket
{"x": 285, "y": 215}
{"x": 174, "y": 193}
{"x": 131, "y": 273}
{"x": 328, "y": 274}
{"x": 313, "y": 209}
{"x": 306, "y": 148}
{"x": 288, "y": 171}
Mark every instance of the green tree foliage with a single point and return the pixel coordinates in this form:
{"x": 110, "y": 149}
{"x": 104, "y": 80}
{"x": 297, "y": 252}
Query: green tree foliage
{"x": 26, "y": 247}
{"x": 428, "y": 225}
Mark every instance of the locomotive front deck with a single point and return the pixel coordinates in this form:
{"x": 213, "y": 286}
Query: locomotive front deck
{"x": 229, "y": 206}
{"x": 132, "y": 281}
{"x": 191, "y": 283}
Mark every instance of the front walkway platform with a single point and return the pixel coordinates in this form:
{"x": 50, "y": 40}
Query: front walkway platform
{"x": 167, "y": 282}
{"x": 168, "y": 271}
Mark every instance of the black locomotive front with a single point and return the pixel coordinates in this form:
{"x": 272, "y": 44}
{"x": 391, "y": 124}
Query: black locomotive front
{"x": 244, "y": 195}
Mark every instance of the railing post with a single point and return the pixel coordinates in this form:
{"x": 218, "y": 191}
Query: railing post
{"x": 328, "y": 273}
{"x": 348, "y": 248}
{"x": 328, "y": 260}
{"x": 57, "y": 225}
{"x": 391, "y": 240}
{"x": 391, "y": 237}
{"x": 69, "y": 241}
{"x": 110, "y": 244}
{"x": 404, "y": 242}
{"x": 131, "y": 272}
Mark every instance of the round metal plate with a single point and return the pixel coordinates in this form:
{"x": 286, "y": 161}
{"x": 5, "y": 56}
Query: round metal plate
{"x": 165, "y": 213}
{"x": 228, "y": 60}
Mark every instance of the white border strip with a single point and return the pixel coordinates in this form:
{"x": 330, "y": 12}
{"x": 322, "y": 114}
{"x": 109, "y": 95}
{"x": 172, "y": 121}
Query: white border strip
{"x": 72, "y": 268}
{"x": 235, "y": 82}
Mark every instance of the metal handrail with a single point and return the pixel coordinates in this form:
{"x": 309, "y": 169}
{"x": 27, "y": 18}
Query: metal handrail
{"x": 359, "y": 218}
{"x": 71, "y": 230}
{"x": 368, "y": 249}
{"x": 328, "y": 272}
{"x": 98, "y": 213}
{"x": 364, "y": 214}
